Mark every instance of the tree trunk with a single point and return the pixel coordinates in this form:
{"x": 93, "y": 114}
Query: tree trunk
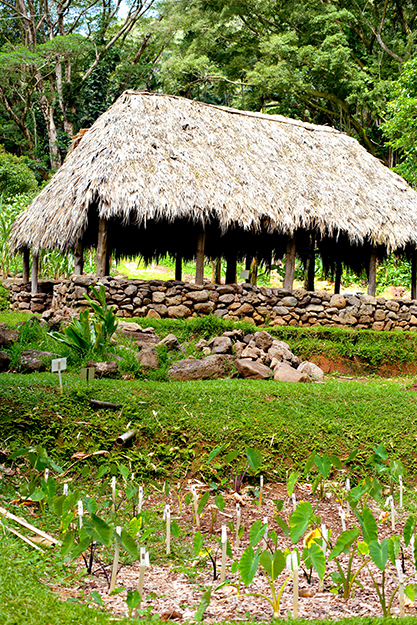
{"x": 253, "y": 277}
{"x": 372, "y": 275}
{"x": 414, "y": 274}
{"x": 311, "y": 266}
{"x": 34, "y": 289}
{"x": 217, "y": 271}
{"x": 79, "y": 258}
{"x": 289, "y": 265}
{"x": 199, "y": 268}
{"x": 101, "y": 248}
{"x": 26, "y": 265}
{"x": 178, "y": 267}
{"x": 231, "y": 269}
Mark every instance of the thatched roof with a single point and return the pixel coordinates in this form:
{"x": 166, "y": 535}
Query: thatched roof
{"x": 155, "y": 159}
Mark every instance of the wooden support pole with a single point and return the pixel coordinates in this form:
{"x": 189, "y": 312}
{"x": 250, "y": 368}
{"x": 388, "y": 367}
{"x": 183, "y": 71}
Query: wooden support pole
{"x": 34, "y": 278}
{"x": 26, "y": 265}
{"x": 231, "y": 269}
{"x": 178, "y": 267}
{"x": 102, "y": 248}
{"x": 372, "y": 275}
{"x": 338, "y": 277}
{"x": 217, "y": 271}
{"x": 199, "y": 267}
{"x": 289, "y": 265}
{"x": 414, "y": 274}
{"x": 79, "y": 258}
{"x": 311, "y": 266}
{"x": 253, "y": 278}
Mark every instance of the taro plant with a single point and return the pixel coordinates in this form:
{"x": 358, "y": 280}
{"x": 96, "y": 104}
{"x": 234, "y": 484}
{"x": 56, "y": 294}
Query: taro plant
{"x": 240, "y": 466}
{"x": 38, "y": 460}
{"x": 346, "y": 578}
{"x": 324, "y": 465}
{"x": 392, "y": 470}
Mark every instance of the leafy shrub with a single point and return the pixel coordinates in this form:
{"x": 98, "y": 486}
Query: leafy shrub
{"x": 15, "y": 176}
{"x": 4, "y": 298}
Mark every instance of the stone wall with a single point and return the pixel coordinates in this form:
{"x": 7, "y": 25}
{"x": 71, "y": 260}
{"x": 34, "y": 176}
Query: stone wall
{"x": 156, "y": 298}
{"x": 21, "y": 298}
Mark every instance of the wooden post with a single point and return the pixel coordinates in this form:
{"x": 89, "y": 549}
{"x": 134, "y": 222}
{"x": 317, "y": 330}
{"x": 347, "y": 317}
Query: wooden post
{"x": 231, "y": 269}
{"x": 34, "y": 280}
{"x": 253, "y": 277}
{"x": 289, "y": 265}
{"x": 199, "y": 267}
{"x": 338, "y": 277}
{"x": 26, "y": 265}
{"x": 372, "y": 275}
{"x": 414, "y": 274}
{"x": 79, "y": 258}
{"x": 311, "y": 265}
{"x": 102, "y": 248}
{"x": 178, "y": 267}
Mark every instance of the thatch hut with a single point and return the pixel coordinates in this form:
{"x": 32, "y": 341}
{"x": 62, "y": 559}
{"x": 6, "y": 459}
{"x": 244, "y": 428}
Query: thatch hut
{"x": 160, "y": 174}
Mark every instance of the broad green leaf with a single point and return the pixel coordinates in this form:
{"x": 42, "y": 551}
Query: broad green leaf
{"x": 394, "y": 546}
{"x": 81, "y": 546}
{"x": 203, "y": 605}
{"x": 279, "y": 503}
{"x": 175, "y": 530}
{"x": 409, "y": 527}
{"x": 343, "y": 543}
{"x": 235, "y": 567}
{"x": 363, "y": 548}
{"x": 220, "y": 502}
{"x": 133, "y": 599}
{"x": 282, "y": 524}
{"x": 273, "y": 564}
{"x": 204, "y": 499}
{"x": 124, "y": 472}
{"x": 229, "y": 551}
{"x": 197, "y": 543}
{"x": 248, "y": 565}
{"x": 38, "y": 494}
{"x": 96, "y": 597}
{"x": 134, "y": 527}
{"x": 292, "y": 481}
{"x": 256, "y": 532}
{"x": 91, "y": 505}
{"x": 131, "y": 491}
{"x": 67, "y": 519}
{"x": 356, "y": 493}
{"x": 102, "y": 471}
{"x": 214, "y": 453}
{"x": 299, "y": 520}
{"x": 103, "y": 530}
{"x": 379, "y": 553}
{"x": 273, "y": 536}
{"x": 58, "y": 503}
{"x": 368, "y": 525}
{"x": 127, "y": 543}
{"x": 231, "y": 456}
{"x": 67, "y": 543}
{"x": 254, "y": 458}
{"x": 381, "y": 452}
{"x": 323, "y": 465}
{"x": 309, "y": 463}
{"x": 188, "y": 498}
{"x": 317, "y": 559}
{"x": 410, "y": 591}
{"x": 116, "y": 591}
{"x": 335, "y": 460}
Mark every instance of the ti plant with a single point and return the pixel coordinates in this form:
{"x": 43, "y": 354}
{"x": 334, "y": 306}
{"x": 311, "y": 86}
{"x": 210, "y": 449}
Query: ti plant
{"x": 240, "y": 466}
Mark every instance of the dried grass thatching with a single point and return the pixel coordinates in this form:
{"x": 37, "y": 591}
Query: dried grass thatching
{"x": 158, "y": 167}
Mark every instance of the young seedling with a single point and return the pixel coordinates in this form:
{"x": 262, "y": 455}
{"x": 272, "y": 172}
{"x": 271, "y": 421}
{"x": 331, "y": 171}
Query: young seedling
{"x": 115, "y": 561}
{"x": 224, "y": 550}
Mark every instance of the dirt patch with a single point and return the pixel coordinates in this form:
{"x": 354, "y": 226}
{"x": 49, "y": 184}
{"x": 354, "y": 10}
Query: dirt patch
{"x": 357, "y": 368}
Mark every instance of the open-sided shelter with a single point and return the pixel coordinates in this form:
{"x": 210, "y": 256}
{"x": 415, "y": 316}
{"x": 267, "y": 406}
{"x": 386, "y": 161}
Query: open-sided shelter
{"x": 159, "y": 174}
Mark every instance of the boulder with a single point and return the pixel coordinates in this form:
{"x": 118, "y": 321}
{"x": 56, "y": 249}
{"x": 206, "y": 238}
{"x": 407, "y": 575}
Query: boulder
{"x": 280, "y": 353}
{"x": 129, "y": 326}
{"x": 7, "y": 337}
{"x": 103, "y": 369}
{"x": 263, "y": 340}
{"x": 221, "y": 345}
{"x": 170, "y": 341}
{"x": 252, "y": 369}
{"x": 239, "y": 347}
{"x": 215, "y": 366}
{"x": 4, "y": 361}
{"x": 283, "y": 372}
{"x": 253, "y": 353}
{"x": 153, "y": 314}
{"x": 200, "y": 344}
{"x": 179, "y": 312}
{"x": 311, "y": 369}
{"x": 149, "y": 358}
{"x": 337, "y": 301}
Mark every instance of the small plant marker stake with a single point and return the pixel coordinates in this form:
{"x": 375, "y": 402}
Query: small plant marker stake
{"x": 65, "y": 489}
{"x": 140, "y": 500}
{"x": 347, "y": 491}
{"x": 261, "y": 487}
{"x": 238, "y": 517}
{"x": 295, "y": 584}
{"x": 195, "y": 502}
{"x": 46, "y": 476}
{"x": 294, "y": 501}
{"x": 80, "y": 513}
{"x": 224, "y": 548}
{"x": 113, "y": 491}
{"x": 144, "y": 562}
{"x": 265, "y": 538}
{"x": 390, "y": 501}
{"x": 325, "y": 538}
{"x": 401, "y": 587}
{"x": 115, "y": 561}
{"x": 400, "y": 479}
{"x": 342, "y": 518}
{"x": 168, "y": 527}
{"x": 59, "y": 364}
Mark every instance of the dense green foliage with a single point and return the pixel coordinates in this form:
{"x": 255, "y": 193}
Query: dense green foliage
{"x": 15, "y": 176}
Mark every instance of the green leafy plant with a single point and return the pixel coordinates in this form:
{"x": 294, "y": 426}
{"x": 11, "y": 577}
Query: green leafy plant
{"x": 324, "y": 465}
{"x": 241, "y": 466}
